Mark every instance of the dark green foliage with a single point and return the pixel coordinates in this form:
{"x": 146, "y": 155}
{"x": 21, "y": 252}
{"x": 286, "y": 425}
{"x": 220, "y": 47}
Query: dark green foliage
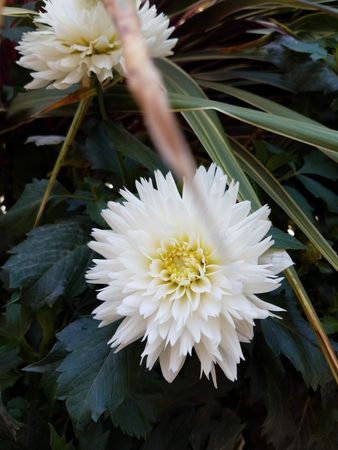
{"x": 293, "y": 337}
{"x": 20, "y": 218}
{"x": 113, "y": 383}
{"x": 61, "y": 386}
{"x": 50, "y": 263}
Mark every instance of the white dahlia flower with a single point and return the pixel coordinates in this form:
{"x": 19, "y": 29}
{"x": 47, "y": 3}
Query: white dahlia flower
{"x": 166, "y": 277}
{"x": 76, "y": 38}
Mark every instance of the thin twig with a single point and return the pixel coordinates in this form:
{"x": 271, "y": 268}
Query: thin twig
{"x": 75, "y": 125}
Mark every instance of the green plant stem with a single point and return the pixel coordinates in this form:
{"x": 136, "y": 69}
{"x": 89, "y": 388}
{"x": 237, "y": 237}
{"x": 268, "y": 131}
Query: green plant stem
{"x": 313, "y": 319}
{"x": 100, "y": 99}
{"x": 74, "y": 127}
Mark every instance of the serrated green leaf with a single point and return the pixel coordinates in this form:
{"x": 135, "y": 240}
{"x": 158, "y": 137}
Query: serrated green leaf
{"x": 208, "y": 427}
{"x": 94, "y": 379}
{"x": 51, "y": 262}
{"x": 95, "y": 437}
{"x": 293, "y": 337}
{"x": 276, "y": 191}
{"x": 20, "y": 217}
{"x": 58, "y": 442}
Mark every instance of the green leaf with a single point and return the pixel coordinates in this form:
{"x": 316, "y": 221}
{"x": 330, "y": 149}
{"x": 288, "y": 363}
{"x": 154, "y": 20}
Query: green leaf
{"x": 9, "y": 360}
{"x": 320, "y": 191}
{"x": 57, "y": 442}
{"x": 275, "y": 190}
{"x": 303, "y": 72}
{"x": 94, "y": 379}
{"x": 317, "y": 164}
{"x": 214, "y": 15}
{"x": 109, "y": 138}
{"x": 131, "y": 147}
{"x": 20, "y": 218}
{"x": 208, "y": 427}
{"x": 94, "y": 438}
{"x": 311, "y": 48}
{"x": 293, "y": 337}
{"x": 316, "y": 135}
{"x": 26, "y": 106}
{"x": 269, "y": 382}
{"x": 51, "y": 262}
{"x": 330, "y": 324}
{"x": 284, "y": 240}
{"x": 255, "y": 100}
{"x": 207, "y": 128}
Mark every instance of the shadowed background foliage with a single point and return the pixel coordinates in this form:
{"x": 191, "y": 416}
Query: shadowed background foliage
{"x": 269, "y": 69}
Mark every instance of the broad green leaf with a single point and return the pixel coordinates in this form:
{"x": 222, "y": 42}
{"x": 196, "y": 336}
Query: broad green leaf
{"x": 209, "y": 427}
{"x": 320, "y": 191}
{"x": 15, "y": 324}
{"x": 284, "y": 240}
{"x": 316, "y": 164}
{"x": 57, "y": 442}
{"x": 94, "y": 379}
{"x": 94, "y": 438}
{"x": 293, "y": 337}
{"x": 207, "y": 128}
{"x": 20, "y": 217}
{"x": 109, "y": 138}
{"x": 268, "y": 382}
{"x": 315, "y": 50}
{"x": 50, "y": 263}
{"x": 275, "y": 190}
{"x": 9, "y": 360}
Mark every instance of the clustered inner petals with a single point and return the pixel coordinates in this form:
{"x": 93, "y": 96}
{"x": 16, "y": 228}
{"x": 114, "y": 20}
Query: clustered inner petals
{"x": 182, "y": 267}
{"x": 181, "y": 262}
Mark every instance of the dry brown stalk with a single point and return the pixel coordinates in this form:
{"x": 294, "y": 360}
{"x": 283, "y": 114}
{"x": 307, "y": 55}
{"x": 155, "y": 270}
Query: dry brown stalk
{"x": 146, "y": 85}
{"x": 2, "y": 4}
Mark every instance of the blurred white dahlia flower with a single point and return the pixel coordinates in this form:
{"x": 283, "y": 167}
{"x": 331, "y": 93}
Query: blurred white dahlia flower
{"x": 76, "y": 38}
{"x": 168, "y": 280}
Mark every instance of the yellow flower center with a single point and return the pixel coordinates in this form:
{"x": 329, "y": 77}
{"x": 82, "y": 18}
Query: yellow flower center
{"x": 182, "y": 262}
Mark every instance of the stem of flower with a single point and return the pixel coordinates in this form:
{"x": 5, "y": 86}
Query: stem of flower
{"x": 313, "y": 319}
{"x": 100, "y": 99}
{"x": 74, "y": 127}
